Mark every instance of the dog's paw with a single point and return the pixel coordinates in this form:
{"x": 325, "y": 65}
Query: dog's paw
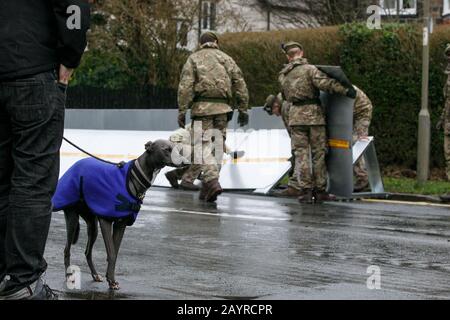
{"x": 113, "y": 285}
{"x": 97, "y": 278}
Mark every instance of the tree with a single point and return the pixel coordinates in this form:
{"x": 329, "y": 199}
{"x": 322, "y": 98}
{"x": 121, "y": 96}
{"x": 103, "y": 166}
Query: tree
{"x": 144, "y": 35}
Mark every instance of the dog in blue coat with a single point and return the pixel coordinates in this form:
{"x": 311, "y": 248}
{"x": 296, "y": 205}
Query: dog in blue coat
{"x": 109, "y": 195}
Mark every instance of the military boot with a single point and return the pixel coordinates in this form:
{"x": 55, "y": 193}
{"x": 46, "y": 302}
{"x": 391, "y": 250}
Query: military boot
{"x": 306, "y": 196}
{"x": 213, "y": 190}
{"x": 185, "y": 185}
{"x": 321, "y": 196}
{"x": 203, "y": 191}
{"x": 173, "y": 179}
{"x": 289, "y": 192}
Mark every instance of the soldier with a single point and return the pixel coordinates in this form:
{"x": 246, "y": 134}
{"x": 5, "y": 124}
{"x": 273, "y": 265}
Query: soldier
{"x": 444, "y": 122}
{"x": 190, "y": 172}
{"x": 209, "y": 82}
{"x": 276, "y": 106}
{"x": 301, "y": 84}
{"x": 362, "y": 116}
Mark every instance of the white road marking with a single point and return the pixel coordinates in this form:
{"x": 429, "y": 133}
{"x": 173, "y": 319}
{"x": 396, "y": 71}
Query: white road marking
{"x": 427, "y": 204}
{"x": 213, "y": 214}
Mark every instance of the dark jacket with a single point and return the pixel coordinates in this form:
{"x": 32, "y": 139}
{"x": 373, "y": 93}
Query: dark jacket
{"x": 34, "y": 36}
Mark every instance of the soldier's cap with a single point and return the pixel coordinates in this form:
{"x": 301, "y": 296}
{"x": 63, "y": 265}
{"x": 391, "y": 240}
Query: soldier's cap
{"x": 290, "y": 45}
{"x": 447, "y": 49}
{"x": 208, "y": 36}
{"x": 269, "y": 103}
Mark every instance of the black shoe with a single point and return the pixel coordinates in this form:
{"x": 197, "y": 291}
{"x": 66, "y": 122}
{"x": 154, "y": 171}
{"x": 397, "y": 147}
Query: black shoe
{"x": 36, "y": 291}
{"x": 189, "y": 186}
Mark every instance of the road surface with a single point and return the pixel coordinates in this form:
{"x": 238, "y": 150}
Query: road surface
{"x": 253, "y": 247}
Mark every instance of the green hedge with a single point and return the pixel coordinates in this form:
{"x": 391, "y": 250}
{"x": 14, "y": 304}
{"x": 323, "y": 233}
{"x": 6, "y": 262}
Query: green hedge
{"x": 385, "y": 63}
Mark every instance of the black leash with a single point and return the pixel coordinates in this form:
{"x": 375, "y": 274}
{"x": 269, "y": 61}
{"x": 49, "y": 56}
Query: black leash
{"x": 120, "y": 164}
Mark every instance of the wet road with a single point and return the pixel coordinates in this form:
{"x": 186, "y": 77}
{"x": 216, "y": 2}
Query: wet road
{"x": 267, "y": 248}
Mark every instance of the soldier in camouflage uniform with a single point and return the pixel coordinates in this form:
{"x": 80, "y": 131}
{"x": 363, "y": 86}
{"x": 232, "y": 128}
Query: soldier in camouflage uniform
{"x": 209, "y": 82}
{"x": 362, "y": 115}
{"x": 301, "y": 84}
{"x": 276, "y": 106}
{"x": 190, "y": 172}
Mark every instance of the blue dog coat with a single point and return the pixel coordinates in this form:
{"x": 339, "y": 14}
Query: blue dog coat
{"x": 102, "y": 186}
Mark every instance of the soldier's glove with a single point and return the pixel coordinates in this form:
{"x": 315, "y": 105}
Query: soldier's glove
{"x": 439, "y": 125}
{"x": 182, "y": 120}
{"x": 351, "y": 93}
{"x": 243, "y": 119}
{"x": 237, "y": 154}
{"x": 230, "y": 116}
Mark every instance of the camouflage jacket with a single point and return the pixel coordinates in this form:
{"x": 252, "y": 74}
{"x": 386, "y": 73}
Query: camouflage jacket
{"x": 301, "y": 81}
{"x": 209, "y": 82}
{"x": 363, "y": 106}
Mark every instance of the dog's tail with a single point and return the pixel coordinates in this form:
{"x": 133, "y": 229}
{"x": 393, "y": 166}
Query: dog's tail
{"x": 77, "y": 234}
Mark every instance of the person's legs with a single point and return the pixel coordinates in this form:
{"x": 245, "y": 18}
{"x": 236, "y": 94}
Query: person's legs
{"x": 360, "y": 129}
{"x": 220, "y": 123}
{"x": 318, "y": 152}
{"x": 36, "y": 106}
{"x": 294, "y": 174}
{"x": 191, "y": 173}
{"x": 300, "y": 144}
{"x": 209, "y": 165}
{"x": 6, "y": 165}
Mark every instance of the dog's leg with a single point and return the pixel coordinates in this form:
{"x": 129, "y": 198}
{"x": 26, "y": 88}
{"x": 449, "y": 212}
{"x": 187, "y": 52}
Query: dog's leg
{"x": 118, "y": 232}
{"x": 106, "y": 227}
{"x": 92, "y": 228}
{"x": 72, "y": 224}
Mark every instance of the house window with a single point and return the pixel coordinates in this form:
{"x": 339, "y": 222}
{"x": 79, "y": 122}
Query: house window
{"x": 182, "y": 33}
{"x": 446, "y": 8}
{"x": 209, "y": 15}
{"x": 399, "y": 7}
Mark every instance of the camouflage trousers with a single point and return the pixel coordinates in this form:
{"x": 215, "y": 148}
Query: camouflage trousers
{"x": 188, "y": 173}
{"x": 310, "y": 147}
{"x": 212, "y": 157}
{"x": 360, "y": 129}
{"x": 294, "y": 173}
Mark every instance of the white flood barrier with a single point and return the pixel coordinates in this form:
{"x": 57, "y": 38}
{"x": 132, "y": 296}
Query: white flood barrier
{"x": 120, "y": 135}
{"x": 265, "y": 161}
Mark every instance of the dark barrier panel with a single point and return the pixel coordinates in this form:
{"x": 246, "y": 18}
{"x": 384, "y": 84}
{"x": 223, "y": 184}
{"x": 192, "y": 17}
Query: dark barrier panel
{"x": 147, "y": 97}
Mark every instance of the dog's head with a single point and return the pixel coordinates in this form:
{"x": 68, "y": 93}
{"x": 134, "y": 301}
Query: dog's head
{"x": 163, "y": 153}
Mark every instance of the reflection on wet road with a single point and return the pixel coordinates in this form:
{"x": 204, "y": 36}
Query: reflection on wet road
{"x": 258, "y": 247}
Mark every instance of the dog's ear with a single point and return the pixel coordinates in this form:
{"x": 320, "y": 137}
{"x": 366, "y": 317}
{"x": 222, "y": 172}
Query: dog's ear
{"x": 149, "y": 146}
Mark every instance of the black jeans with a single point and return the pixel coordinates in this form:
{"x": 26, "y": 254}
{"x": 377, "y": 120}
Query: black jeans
{"x": 31, "y": 129}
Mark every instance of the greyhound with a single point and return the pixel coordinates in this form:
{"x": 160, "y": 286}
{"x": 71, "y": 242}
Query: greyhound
{"x": 114, "y": 202}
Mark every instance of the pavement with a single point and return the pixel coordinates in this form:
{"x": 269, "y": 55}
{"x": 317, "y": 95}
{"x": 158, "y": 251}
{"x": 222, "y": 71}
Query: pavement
{"x": 253, "y": 247}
